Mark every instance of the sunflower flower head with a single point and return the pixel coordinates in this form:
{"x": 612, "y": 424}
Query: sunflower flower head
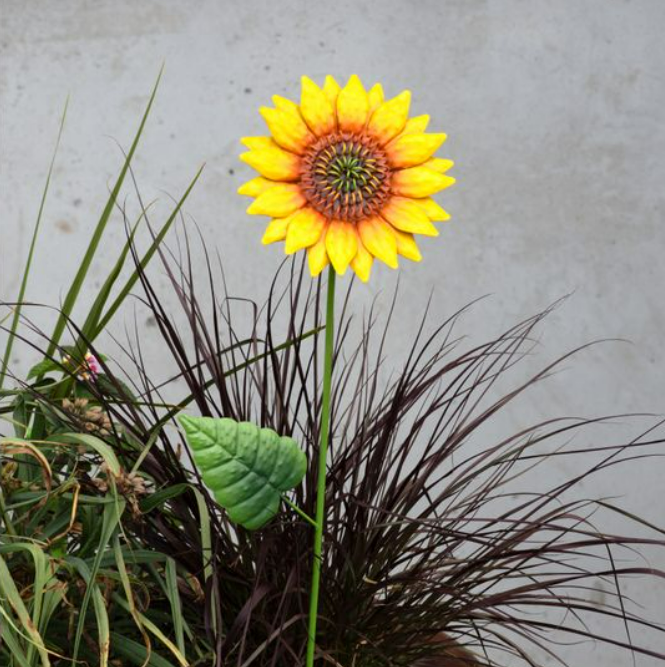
{"x": 346, "y": 175}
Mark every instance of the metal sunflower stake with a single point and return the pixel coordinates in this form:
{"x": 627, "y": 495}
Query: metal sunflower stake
{"x": 348, "y": 176}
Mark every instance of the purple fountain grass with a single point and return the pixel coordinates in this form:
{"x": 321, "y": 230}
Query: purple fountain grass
{"x": 443, "y": 545}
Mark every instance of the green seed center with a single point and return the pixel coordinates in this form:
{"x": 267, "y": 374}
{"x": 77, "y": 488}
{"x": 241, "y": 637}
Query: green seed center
{"x": 347, "y": 167}
{"x": 348, "y": 173}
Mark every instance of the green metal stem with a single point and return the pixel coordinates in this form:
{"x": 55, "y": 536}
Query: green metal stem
{"x": 299, "y": 512}
{"x": 321, "y": 479}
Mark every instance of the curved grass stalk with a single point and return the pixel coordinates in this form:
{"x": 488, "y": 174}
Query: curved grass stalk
{"x": 28, "y": 264}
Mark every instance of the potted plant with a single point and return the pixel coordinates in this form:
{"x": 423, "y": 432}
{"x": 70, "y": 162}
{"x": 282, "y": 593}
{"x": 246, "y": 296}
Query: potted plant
{"x": 291, "y": 494}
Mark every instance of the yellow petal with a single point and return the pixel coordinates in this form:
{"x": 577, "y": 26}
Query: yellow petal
{"x": 352, "y": 106}
{"x": 258, "y": 142}
{"x": 317, "y": 256}
{"x": 409, "y": 150}
{"x": 378, "y": 238}
{"x": 433, "y": 211}
{"x": 276, "y": 230}
{"x": 331, "y": 90}
{"x": 375, "y": 96}
{"x": 278, "y": 202}
{"x": 274, "y": 163}
{"x": 419, "y": 182}
{"x": 406, "y": 245}
{"x": 341, "y": 244}
{"x": 316, "y": 108}
{"x": 305, "y": 229}
{"x": 439, "y": 164}
{"x": 362, "y": 263}
{"x": 287, "y": 128}
{"x": 406, "y": 215}
{"x": 390, "y": 117}
{"x": 285, "y": 105}
{"x": 416, "y": 124}
{"x": 255, "y": 187}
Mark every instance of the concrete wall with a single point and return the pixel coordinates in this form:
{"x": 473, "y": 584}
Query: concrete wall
{"x": 555, "y": 115}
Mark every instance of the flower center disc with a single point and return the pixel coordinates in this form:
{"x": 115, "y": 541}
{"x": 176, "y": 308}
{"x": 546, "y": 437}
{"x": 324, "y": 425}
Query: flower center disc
{"x": 345, "y": 176}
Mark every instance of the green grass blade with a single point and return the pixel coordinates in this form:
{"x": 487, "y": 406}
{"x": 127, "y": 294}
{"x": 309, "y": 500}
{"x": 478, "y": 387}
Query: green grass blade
{"x": 110, "y": 520}
{"x": 133, "y": 557}
{"x": 176, "y": 604}
{"x": 158, "y": 498}
{"x": 10, "y": 635}
{"x": 127, "y": 587}
{"x": 164, "y": 584}
{"x": 103, "y": 626}
{"x": 145, "y": 260}
{"x": 92, "y": 319}
{"x": 54, "y": 596}
{"x": 43, "y": 576}
{"x": 206, "y": 547}
{"x": 168, "y": 585}
{"x": 79, "y": 279}
{"x": 11, "y": 594}
{"x": 99, "y": 605}
{"x": 136, "y": 654}
{"x": 28, "y": 264}
{"x": 149, "y": 625}
{"x": 94, "y": 443}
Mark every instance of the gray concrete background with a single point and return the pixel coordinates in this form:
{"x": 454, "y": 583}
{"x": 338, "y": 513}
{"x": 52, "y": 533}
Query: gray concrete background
{"x": 555, "y": 116}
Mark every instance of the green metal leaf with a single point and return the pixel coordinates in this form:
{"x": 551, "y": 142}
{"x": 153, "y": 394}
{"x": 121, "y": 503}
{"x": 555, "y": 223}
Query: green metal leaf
{"x": 247, "y": 467}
